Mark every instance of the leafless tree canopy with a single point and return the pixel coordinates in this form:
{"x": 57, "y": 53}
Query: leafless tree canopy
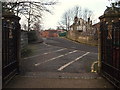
{"x": 68, "y": 17}
{"x": 32, "y": 10}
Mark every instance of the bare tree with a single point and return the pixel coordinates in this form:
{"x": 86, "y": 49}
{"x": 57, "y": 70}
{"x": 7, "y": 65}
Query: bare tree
{"x": 65, "y": 21}
{"x": 68, "y": 17}
{"x": 37, "y": 28}
{"x": 77, "y": 11}
{"x": 87, "y": 14}
{"x": 32, "y": 10}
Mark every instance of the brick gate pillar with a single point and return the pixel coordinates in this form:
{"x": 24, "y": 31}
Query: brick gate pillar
{"x": 111, "y": 14}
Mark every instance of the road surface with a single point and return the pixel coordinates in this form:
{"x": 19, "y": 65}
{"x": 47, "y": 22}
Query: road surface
{"x": 59, "y": 63}
{"x": 60, "y": 55}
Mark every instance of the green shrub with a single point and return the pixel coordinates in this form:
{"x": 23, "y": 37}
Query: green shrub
{"x": 26, "y": 52}
{"x": 32, "y": 37}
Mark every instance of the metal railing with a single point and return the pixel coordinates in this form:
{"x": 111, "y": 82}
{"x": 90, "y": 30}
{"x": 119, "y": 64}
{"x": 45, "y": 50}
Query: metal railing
{"x": 10, "y": 47}
{"x": 110, "y": 52}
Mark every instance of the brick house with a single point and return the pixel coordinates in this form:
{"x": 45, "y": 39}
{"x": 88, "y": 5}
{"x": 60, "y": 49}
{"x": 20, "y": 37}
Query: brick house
{"x": 49, "y": 33}
{"x": 83, "y": 31}
{"x": 81, "y": 25}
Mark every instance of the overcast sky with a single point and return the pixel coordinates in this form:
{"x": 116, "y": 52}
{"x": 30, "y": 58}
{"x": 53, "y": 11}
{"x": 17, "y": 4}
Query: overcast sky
{"x": 51, "y": 20}
{"x": 97, "y": 6}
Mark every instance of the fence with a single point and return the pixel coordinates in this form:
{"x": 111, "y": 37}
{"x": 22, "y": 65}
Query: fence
{"x": 10, "y": 47}
{"x": 110, "y": 52}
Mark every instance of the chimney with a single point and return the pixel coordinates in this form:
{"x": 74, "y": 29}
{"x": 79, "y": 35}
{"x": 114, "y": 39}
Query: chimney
{"x": 91, "y": 22}
{"x": 75, "y": 19}
{"x": 88, "y": 19}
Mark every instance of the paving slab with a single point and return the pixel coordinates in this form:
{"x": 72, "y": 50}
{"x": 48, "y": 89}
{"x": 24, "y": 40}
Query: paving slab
{"x": 60, "y": 82}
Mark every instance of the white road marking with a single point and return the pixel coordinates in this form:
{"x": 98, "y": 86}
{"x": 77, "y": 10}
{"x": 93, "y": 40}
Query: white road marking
{"x": 46, "y": 44}
{"x": 56, "y": 57}
{"x": 45, "y": 53}
{"x": 55, "y": 51}
{"x": 64, "y": 66}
